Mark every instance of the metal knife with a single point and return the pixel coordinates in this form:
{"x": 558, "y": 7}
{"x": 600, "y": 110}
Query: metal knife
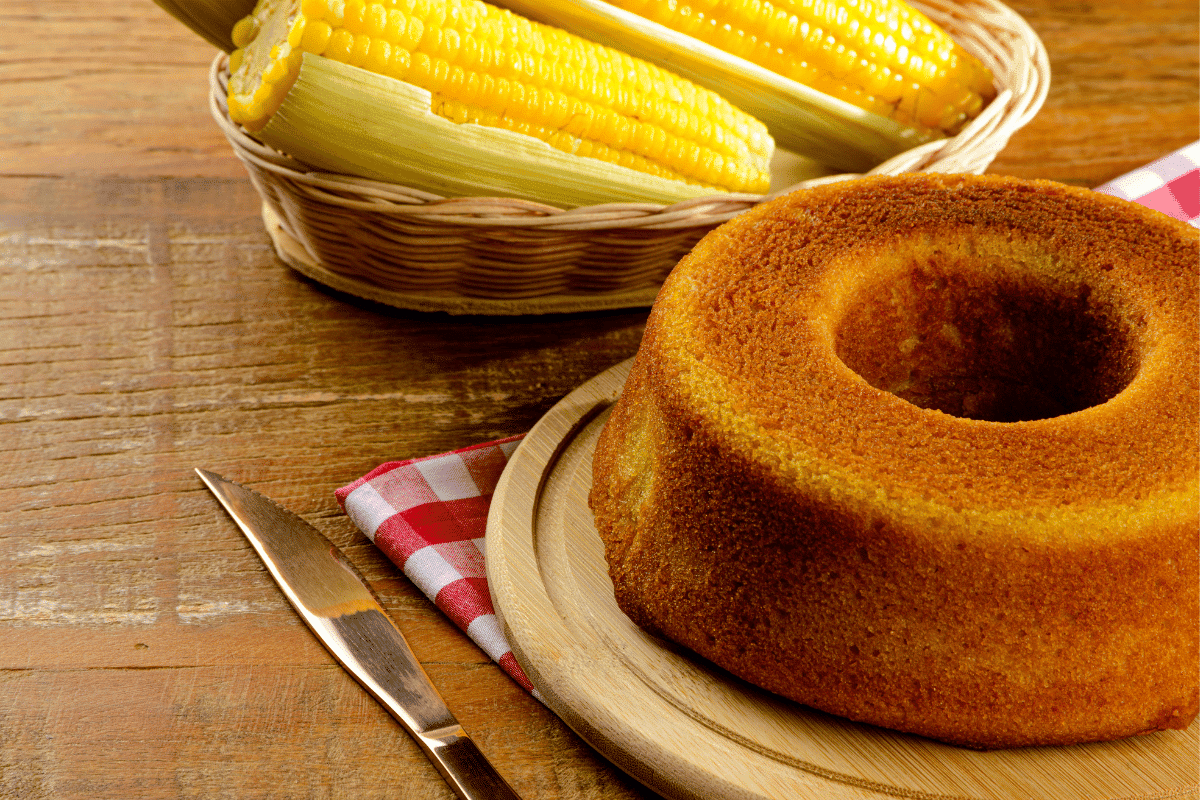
{"x": 336, "y": 603}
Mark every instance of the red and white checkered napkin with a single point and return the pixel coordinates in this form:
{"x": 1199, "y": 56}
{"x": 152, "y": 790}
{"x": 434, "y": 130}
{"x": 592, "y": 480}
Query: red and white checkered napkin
{"x": 429, "y": 516}
{"x": 1170, "y": 185}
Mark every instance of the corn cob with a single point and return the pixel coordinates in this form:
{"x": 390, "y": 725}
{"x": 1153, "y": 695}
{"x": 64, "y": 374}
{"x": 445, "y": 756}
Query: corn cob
{"x": 880, "y": 55}
{"x": 488, "y": 66}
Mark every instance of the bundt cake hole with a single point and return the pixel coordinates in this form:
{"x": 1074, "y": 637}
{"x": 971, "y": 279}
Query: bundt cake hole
{"x": 985, "y": 341}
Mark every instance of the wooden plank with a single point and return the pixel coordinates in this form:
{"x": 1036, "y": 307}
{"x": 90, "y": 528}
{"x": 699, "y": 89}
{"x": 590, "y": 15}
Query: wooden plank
{"x": 116, "y": 88}
{"x": 1123, "y": 89}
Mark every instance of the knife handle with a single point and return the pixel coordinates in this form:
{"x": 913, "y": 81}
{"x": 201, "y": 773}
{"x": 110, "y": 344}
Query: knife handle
{"x": 465, "y": 768}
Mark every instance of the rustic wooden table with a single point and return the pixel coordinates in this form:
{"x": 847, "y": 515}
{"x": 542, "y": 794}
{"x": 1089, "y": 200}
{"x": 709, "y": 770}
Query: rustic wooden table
{"x": 146, "y": 327}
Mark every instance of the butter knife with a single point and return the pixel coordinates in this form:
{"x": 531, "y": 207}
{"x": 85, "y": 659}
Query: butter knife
{"x": 336, "y": 603}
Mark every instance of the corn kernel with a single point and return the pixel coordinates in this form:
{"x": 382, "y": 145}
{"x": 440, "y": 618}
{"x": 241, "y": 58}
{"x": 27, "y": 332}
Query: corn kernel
{"x": 353, "y": 16}
{"x": 375, "y": 19}
{"x": 440, "y": 74}
{"x": 378, "y": 55}
{"x": 314, "y": 9}
{"x": 316, "y": 36}
{"x": 421, "y": 70}
{"x": 413, "y": 33}
{"x": 296, "y": 33}
{"x": 341, "y": 45}
{"x": 396, "y": 24}
{"x": 244, "y": 31}
{"x": 399, "y": 63}
{"x": 360, "y": 51}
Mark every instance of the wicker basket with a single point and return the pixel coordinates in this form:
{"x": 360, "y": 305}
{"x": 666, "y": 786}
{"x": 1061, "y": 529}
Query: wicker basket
{"x": 414, "y": 250}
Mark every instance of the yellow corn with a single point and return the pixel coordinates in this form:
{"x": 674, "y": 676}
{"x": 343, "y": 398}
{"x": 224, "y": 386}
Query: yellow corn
{"x": 879, "y": 55}
{"x": 488, "y": 66}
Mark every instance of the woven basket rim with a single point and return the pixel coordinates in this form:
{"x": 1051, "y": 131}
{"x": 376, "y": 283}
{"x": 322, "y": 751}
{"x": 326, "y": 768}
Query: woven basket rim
{"x": 496, "y": 255}
{"x": 994, "y": 32}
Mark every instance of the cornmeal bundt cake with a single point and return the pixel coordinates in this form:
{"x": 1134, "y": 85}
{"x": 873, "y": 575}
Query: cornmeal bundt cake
{"x": 922, "y": 452}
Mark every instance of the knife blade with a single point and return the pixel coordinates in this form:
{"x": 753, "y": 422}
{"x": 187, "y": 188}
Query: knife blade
{"x": 337, "y": 605}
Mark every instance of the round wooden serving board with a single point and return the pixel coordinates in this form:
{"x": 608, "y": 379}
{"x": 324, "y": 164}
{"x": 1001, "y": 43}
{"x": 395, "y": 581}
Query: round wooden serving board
{"x": 689, "y": 730}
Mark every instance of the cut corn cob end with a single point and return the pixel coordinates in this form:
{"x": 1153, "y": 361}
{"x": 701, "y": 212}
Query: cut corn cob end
{"x": 487, "y": 66}
{"x": 882, "y": 56}
{"x": 266, "y": 62}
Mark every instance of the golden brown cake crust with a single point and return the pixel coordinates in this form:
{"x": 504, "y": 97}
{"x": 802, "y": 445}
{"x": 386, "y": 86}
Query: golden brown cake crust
{"x": 922, "y": 452}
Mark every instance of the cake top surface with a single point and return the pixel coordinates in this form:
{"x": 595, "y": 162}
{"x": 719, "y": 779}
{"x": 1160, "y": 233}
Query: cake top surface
{"x": 962, "y": 342}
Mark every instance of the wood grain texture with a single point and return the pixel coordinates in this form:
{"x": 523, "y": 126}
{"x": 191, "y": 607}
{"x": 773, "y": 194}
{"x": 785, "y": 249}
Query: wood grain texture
{"x": 146, "y": 327}
{"x": 1123, "y": 89}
